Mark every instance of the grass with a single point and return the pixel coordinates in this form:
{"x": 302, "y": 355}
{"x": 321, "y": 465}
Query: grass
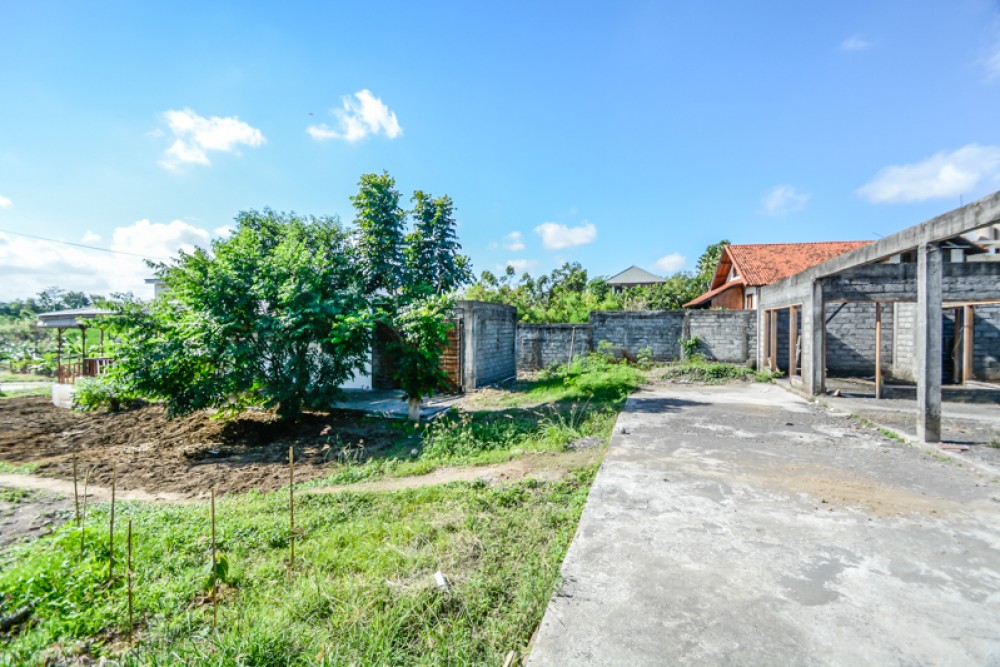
{"x": 715, "y": 372}
{"x": 44, "y": 390}
{"x": 363, "y": 591}
{"x": 7, "y": 376}
{"x": 14, "y": 496}
{"x": 565, "y": 404}
{"x": 22, "y": 469}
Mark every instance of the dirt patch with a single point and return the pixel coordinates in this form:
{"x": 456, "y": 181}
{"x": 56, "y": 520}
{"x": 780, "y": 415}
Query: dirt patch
{"x": 543, "y": 467}
{"x": 26, "y": 515}
{"x": 832, "y": 488}
{"x": 189, "y": 455}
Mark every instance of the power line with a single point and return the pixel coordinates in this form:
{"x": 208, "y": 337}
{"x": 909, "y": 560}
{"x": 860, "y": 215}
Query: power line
{"x": 81, "y": 245}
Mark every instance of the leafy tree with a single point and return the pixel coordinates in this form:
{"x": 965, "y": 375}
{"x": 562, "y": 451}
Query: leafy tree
{"x": 408, "y": 278}
{"x": 422, "y": 327}
{"x": 380, "y": 223}
{"x": 707, "y": 264}
{"x": 432, "y": 248}
{"x": 274, "y": 316}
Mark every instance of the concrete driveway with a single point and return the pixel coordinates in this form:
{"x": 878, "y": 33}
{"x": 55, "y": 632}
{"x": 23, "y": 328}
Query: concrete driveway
{"x": 741, "y": 525}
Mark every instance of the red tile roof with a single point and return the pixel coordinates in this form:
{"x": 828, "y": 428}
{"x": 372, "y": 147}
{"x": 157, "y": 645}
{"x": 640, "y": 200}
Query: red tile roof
{"x": 766, "y": 263}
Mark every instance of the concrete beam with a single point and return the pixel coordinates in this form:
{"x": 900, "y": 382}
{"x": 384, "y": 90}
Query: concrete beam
{"x": 981, "y": 213}
{"x": 929, "y": 343}
{"x": 813, "y": 348}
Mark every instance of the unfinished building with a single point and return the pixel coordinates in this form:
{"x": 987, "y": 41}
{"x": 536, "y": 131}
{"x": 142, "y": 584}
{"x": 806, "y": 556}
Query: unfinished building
{"x": 921, "y": 319}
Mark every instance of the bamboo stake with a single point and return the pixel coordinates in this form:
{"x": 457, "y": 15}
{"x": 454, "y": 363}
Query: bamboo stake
{"x": 215, "y": 570}
{"x": 291, "y": 510}
{"x": 111, "y": 534}
{"x": 83, "y": 516}
{"x": 129, "y": 572}
{"x": 76, "y": 493}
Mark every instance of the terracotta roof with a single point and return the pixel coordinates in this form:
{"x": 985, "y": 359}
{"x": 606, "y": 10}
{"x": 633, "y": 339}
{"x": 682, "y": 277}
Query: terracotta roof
{"x": 633, "y": 275}
{"x": 708, "y": 295}
{"x": 766, "y": 263}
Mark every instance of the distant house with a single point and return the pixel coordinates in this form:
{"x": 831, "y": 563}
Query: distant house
{"x": 633, "y": 276}
{"x": 743, "y": 269}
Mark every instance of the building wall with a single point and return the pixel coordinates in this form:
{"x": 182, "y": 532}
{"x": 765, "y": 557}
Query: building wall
{"x": 731, "y": 299}
{"x": 850, "y": 338}
{"x": 725, "y": 335}
{"x": 986, "y": 343}
{"x": 904, "y": 340}
{"x": 490, "y": 333}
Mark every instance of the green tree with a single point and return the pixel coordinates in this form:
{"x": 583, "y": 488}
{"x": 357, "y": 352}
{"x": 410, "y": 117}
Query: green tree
{"x": 380, "y": 223}
{"x": 422, "y": 328}
{"x": 707, "y": 264}
{"x": 433, "y": 260}
{"x": 274, "y": 316}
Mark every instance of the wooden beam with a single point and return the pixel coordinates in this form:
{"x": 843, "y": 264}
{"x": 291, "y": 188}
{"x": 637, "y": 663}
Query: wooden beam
{"x": 968, "y": 342}
{"x": 878, "y": 350}
{"x": 793, "y": 339}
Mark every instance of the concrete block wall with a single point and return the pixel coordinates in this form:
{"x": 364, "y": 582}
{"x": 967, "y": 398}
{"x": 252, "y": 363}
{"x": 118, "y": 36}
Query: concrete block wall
{"x": 986, "y": 343}
{"x": 632, "y": 331}
{"x": 542, "y": 345}
{"x": 904, "y": 340}
{"x": 490, "y": 342}
{"x": 850, "y": 338}
{"x": 725, "y": 335}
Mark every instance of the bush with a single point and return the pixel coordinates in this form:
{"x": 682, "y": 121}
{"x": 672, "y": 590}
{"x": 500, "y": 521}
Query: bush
{"x": 103, "y": 393}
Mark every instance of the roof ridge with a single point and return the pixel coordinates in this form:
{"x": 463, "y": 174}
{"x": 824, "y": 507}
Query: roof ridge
{"x": 744, "y": 245}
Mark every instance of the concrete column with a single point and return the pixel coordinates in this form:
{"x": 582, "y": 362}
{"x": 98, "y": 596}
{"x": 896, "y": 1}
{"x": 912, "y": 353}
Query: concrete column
{"x": 878, "y": 350}
{"x": 929, "y": 343}
{"x": 968, "y": 333}
{"x": 813, "y": 352}
{"x": 793, "y": 339}
{"x": 761, "y": 336}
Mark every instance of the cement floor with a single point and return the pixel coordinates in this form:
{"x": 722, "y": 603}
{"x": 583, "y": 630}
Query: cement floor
{"x": 391, "y": 403}
{"x": 741, "y": 525}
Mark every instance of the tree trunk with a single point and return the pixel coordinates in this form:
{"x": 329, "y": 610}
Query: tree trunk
{"x": 414, "y": 409}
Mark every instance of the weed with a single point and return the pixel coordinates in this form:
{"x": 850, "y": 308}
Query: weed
{"x": 43, "y": 389}
{"x": 714, "y": 372}
{"x": 22, "y": 469}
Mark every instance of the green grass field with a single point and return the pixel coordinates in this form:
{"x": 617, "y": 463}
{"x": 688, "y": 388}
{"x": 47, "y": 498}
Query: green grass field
{"x": 363, "y": 589}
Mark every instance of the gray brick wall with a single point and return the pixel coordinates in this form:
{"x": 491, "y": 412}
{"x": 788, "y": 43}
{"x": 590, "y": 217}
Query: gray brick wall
{"x": 850, "y": 338}
{"x": 542, "y": 345}
{"x": 986, "y": 343}
{"x": 632, "y": 331}
{"x": 725, "y": 335}
{"x": 490, "y": 346}
{"x": 904, "y": 340}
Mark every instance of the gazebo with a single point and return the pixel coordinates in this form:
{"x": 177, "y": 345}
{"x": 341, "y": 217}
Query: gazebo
{"x": 82, "y": 365}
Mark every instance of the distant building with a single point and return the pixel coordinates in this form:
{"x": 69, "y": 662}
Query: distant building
{"x": 743, "y": 269}
{"x": 633, "y": 276}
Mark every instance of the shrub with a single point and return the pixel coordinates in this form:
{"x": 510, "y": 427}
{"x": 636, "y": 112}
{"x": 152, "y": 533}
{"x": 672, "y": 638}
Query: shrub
{"x": 103, "y": 393}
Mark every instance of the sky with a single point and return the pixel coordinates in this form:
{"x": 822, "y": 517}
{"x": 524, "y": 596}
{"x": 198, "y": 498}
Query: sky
{"x": 605, "y": 133}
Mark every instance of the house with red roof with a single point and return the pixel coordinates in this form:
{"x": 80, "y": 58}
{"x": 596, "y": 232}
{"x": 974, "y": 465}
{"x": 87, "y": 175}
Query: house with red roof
{"x": 744, "y": 268}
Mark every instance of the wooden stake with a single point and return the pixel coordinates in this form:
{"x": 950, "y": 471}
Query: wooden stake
{"x": 968, "y": 351}
{"x": 83, "y": 516}
{"x": 111, "y": 534}
{"x": 291, "y": 510}
{"x": 215, "y": 570}
{"x": 129, "y": 573}
{"x": 76, "y": 493}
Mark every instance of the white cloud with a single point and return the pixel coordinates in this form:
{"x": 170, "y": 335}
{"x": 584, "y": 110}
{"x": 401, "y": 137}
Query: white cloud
{"x": 362, "y": 115}
{"x": 782, "y": 200}
{"x": 520, "y": 265}
{"x": 942, "y": 175}
{"x": 195, "y": 136}
{"x": 556, "y": 236}
{"x": 225, "y": 230}
{"x": 855, "y": 43}
{"x": 5, "y": 202}
{"x": 671, "y": 263}
{"x": 513, "y": 241}
{"x": 90, "y": 237}
{"x": 28, "y": 266}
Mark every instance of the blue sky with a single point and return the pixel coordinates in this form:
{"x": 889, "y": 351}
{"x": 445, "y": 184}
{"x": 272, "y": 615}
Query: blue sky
{"x": 611, "y": 133}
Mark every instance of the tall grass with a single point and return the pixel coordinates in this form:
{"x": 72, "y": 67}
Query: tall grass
{"x": 363, "y": 592}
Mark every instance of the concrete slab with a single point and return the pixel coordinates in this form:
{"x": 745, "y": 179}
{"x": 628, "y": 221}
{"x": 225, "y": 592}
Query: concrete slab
{"x": 392, "y": 403}
{"x": 741, "y": 525}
